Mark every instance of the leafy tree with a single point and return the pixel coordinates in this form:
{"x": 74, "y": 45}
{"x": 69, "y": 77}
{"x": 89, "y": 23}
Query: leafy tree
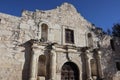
{"x": 116, "y": 30}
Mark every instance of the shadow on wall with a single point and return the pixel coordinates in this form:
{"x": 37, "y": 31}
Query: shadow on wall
{"x": 27, "y": 55}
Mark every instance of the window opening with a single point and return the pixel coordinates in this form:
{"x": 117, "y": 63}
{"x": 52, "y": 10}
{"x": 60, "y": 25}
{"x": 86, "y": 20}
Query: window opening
{"x": 69, "y": 36}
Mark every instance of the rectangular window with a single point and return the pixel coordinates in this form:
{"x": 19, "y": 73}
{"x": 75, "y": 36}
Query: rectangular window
{"x": 69, "y": 36}
{"x": 118, "y": 66}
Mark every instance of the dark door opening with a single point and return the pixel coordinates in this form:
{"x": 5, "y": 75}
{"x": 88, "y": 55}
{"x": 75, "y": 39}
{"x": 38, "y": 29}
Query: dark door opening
{"x": 70, "y": 71}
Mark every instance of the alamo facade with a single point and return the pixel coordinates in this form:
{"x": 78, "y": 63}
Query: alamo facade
{"x": 57, "y": 44}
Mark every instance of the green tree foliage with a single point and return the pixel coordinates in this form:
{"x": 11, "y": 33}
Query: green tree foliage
{"x": 116, "y": 30}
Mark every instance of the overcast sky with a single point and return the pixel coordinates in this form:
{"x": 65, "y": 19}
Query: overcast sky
{"x": 102, "y": 13}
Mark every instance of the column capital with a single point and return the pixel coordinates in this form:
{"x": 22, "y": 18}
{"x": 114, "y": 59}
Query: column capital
{"x": 20, "y": 48}
{"x": 88, "y": 54}
{"x": 99, "y": 52}
{"x": 34, "y": 46}
{"x": 87, "y": 51}
{"x": 37, "y": 46}
{"x": 53, "y": 47}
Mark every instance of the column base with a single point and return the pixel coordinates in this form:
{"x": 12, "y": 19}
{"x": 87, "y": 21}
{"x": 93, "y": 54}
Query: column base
{"x": 40, "y": 78}
{"x": 33, "y": 79}
{"x": 51, "y": 79}
{"x": 94, "y": 77}
{"x": 89, "y": 78}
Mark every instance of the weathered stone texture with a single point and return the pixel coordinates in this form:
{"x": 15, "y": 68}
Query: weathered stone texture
{"x": 21, "y": 46}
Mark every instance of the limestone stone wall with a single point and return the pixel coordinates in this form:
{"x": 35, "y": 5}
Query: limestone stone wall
{"x": 11, "y": 56}
{"x": 59, "y": 19}
{"x": 16, "y": 34}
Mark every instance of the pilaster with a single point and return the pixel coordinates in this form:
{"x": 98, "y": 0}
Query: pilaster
{"x": 53, "y": 64}
{"x": 100, "y": 72}
{"x": 33, "y": 66}
{"x": 88, "y": 66}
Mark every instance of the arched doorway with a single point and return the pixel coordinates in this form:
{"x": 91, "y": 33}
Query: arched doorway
{"x": 69, "y": 71}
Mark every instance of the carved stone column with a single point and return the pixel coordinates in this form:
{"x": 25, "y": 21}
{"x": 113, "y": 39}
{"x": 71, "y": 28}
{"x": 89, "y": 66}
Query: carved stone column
{"x": 88, "y": 66}
{"x": 53, "y": 64}
{"x": 33, "y": 65}
{"x": 100, "y": 72}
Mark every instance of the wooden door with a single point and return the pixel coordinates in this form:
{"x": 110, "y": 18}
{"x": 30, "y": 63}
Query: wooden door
{"x": 69, "y": 72}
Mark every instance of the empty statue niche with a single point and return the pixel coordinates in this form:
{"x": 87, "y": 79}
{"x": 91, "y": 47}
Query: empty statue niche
{"x": 93, "y": 68}
{"x": 90, "y": 40}
{"x": 42, "y": 66}
{"x": 44, "y": 32}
